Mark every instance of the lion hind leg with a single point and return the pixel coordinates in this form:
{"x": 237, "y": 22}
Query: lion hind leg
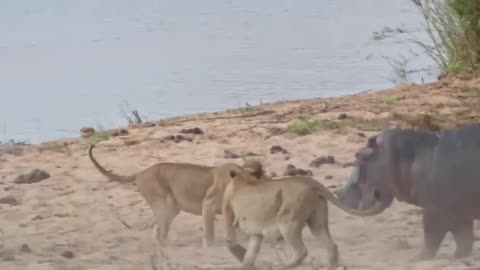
{"x": 293, "y": 236}
{"x": 164, "y": 210}
{"x": 318, "y": 225}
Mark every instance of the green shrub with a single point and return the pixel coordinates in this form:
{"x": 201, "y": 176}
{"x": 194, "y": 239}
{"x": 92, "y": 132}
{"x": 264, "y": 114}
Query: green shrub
{"x": 453, "y": 27}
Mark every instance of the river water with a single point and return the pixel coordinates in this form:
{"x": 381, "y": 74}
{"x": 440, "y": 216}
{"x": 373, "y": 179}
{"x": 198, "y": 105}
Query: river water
{"x": 65, "y": 64}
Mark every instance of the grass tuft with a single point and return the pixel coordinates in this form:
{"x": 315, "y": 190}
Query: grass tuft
{"x": 304, "y": 126}
{"x": 101, "y": 135}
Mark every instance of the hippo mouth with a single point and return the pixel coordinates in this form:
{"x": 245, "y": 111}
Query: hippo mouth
{"x": 377, "y": 207}
{"x": 351, "y": 195}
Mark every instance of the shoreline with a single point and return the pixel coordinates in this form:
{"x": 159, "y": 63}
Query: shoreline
{"x": 172, "y": 120}
{"x": 252, "y": 110}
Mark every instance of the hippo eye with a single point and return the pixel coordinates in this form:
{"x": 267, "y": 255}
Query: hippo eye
{"x": 376, "y": 195}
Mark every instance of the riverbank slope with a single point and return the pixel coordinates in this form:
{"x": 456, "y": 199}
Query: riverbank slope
{"x": 75, "y": 219}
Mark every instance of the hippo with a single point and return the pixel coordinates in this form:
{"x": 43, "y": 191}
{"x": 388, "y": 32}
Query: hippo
{"x": 436, "y": 171}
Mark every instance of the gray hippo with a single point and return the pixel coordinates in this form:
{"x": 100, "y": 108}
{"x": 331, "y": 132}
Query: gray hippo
{"x": 439, "y": 172}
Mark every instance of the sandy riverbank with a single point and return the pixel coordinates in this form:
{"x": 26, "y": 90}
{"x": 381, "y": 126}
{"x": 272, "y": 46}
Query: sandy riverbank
{"x": 69, "y": 211}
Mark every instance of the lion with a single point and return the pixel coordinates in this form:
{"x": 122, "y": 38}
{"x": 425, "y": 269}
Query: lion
{"x": 169, "y": 188}
{"x": 287, "y": 203}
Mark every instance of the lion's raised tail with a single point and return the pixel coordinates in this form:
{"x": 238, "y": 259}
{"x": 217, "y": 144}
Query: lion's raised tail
{"x": 328, "y": 195}
{"x": 109, "y": 175}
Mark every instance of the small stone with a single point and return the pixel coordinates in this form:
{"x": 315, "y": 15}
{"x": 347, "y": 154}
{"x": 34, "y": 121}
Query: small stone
{"x": 25, "y": 248}
{"x": 342, "y": 116}
{"x": 7, "y": 255}
{"x": 34, "y": 176}
{"x": 68, "y": 254}
{"x": 177, "y": 138}
{"x": 37, "y": 217}
{"x": 10, "y": 200}
{"x": 195, "y": 130}
{"x": 304, "y": 172}
{"x": 328, "y": 177}
{"x": 291, "y": 170}
{"x": 86, "y": 132}
{"x": 229, "y": 154}
{"x": 167, "y": 138}
{"x": 8, "y": 258}
{"x": 348, "y": 164}
{"x": 322, "y": 160}
{"x": 277, "y": 149}
{"x": 130, "y": 142}
{"x": 148, "y": 124}
{"x": 119, "y": 132}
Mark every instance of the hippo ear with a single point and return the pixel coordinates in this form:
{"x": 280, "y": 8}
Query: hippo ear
{"x": 374, "y": 141}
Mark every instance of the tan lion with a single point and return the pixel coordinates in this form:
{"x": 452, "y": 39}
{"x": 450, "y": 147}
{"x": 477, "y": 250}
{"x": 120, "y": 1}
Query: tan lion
{"x": 169, "y": 188}
{"x": 287, "y": 203}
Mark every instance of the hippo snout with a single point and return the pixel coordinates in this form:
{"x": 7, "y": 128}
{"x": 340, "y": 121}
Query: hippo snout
{"x": 348, "y": 196}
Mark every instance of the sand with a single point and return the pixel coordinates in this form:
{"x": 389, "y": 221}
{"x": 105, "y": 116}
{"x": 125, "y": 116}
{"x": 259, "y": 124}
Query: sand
{"x": 75, "y": 218}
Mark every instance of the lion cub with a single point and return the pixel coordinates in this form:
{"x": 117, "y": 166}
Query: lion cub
{"x": 169, "y": 188}
{"x": 288, "y": 203}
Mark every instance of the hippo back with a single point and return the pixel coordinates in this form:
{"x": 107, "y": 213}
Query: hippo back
{"x": 454, "y": 179}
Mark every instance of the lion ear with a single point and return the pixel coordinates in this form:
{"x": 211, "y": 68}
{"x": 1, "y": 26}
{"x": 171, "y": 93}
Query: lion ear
{"x": 233, "y": 174}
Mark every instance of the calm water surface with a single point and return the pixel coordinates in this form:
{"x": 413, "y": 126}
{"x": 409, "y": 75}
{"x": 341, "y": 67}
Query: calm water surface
{"x": 65, "y": 64}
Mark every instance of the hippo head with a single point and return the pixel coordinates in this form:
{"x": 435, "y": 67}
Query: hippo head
{"x": 368, "y": 184}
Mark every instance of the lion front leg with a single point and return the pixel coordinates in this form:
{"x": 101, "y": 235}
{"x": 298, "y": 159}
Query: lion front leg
{"x": 237, "y": 250}
{"x": 254, "y": 245}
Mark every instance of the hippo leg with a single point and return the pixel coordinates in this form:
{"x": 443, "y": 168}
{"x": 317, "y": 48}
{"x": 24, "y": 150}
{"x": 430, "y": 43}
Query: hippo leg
{"x": 435, "y": 227}
{"x": 463, "y": 234}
